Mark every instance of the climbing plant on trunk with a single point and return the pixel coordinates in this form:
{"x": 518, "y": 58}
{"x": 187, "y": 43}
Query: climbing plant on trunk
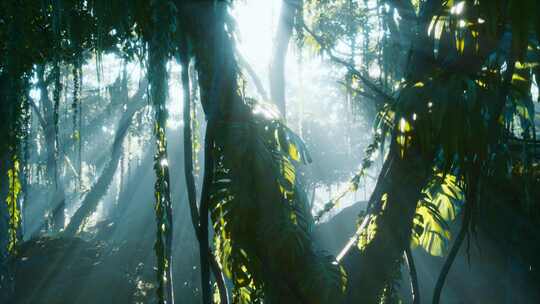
{"x": 163, "y": 24}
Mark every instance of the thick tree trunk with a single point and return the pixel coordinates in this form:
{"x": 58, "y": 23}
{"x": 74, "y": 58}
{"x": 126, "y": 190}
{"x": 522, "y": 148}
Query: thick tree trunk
{"x": 224, "y": 108}
{"x": 372, "y": 269}
{"x": 214, "y": 56}
{"x": 217, "y": 74}
{"x": 213, "y": 52}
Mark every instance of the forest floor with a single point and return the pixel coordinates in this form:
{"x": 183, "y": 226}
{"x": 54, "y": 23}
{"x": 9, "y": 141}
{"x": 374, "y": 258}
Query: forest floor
{"x": 107, "y": 267}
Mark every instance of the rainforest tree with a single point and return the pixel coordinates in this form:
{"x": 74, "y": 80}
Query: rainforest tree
{"x": 447, "y": 84}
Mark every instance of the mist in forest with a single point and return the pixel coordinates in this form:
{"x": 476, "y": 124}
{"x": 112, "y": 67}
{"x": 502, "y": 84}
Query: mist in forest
{"x": 254, "y": 151}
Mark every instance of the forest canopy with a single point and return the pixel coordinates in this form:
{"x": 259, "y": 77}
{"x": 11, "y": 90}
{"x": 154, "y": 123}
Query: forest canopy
{"x": 217, "y": 151}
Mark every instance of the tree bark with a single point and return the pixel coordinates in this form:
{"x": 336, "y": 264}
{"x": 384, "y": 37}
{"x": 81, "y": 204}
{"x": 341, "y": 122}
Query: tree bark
{"x": 279, "y": 56}
{"x": 217, "y": 74}
{"x": 375, "y": 267}
{"x": 58, "y": 197}
{"x": 372, "y": 269}
{"x": 99, "y": 189}
{"x": 163, "y": 22}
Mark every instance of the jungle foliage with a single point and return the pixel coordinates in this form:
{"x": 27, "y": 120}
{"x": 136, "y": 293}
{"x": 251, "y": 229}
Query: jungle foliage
{"x": 447, "y": 85}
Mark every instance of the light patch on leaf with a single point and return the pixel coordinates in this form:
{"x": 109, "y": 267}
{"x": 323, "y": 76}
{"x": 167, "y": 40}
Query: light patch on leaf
{"x": 368, "y": 234}
{"x": 442, "y": 201}
{"x": 12, "y": 205}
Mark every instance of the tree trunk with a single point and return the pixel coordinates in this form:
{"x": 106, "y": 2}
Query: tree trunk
{"x": 99, "y": 189}
{"x": 217, "y": 74}
{"x": 371, "y": 270}
{"x": 279, "y": 56}
{"x": 375, "y": 267}
{"x": 13, "y": 84}
{"x": 58, "y": 197}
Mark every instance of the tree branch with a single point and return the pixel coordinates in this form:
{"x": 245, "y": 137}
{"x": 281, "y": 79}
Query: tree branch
{"x": 36, "y": 109}
{"x": 365, "y": 79}
{"x": 95, "y": 194}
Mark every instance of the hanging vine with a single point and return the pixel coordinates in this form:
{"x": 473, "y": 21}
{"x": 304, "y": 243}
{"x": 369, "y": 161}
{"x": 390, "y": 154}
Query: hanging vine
{"x": 56, "y": 24}
{"x": 15, "y": 82}
{"x": 26, "y": 123}
{"x": 14, "y": 179}
{"x": 75, "y": 107}
{"x": 158, "y": 53}
{"x": 56, "y": 106}
{"x": 80, "y": 148}
{"x": 354, "y": 183}
{"x": 162, "y": 207}
{"x": 56, "y": 218}
{"x": 194, "y": 122}
{"x": 12, "y": 203}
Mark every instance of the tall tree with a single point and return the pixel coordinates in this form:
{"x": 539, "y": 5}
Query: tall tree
{"x": 288, "y": 13}
{"x": 49, "y": 125}
{"x": 443, "y": 117}
{"x": 98, "y": 190}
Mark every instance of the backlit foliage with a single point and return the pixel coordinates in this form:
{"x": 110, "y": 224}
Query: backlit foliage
{"x": 441, "y": 204}
{"x": 12, "y": 201}
{"x": 461, "y": 102}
